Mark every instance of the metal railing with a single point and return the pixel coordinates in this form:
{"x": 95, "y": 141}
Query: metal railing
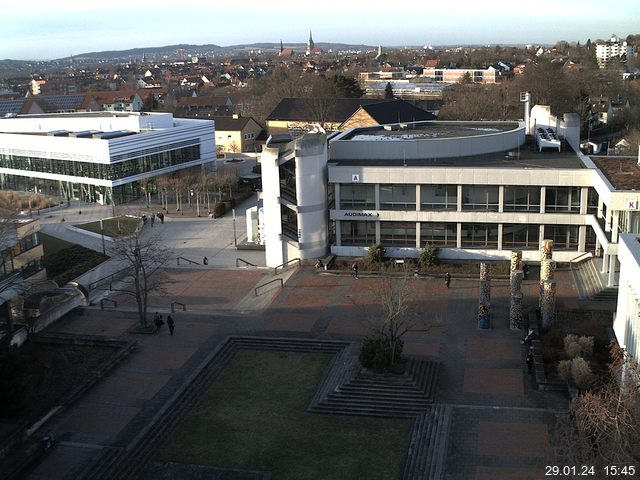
{"x": 579, "y": 258}
{"x": 255, "y": 290}
{"x": 286, "y": 264}
{"x": 173, "y": 306}
{"x": 186, "y": 260}
{"x": 119, "y": 275}
{"x": 238, "y": 260}
{"x": 113, "y": 302}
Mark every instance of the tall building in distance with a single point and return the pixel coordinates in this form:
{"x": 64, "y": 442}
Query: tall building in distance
{"x": 613, "y": 48}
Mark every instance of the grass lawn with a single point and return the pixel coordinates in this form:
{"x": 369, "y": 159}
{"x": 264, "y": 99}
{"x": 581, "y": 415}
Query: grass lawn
{"x": 51, "y": 244}
{"x": 113, "y": 227}
{"x": 65, "y": 261}
{"x": 253, "y": 418}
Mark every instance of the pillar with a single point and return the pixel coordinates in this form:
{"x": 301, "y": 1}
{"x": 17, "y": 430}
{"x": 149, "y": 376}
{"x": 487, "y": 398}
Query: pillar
{"x": 547, "y": 268}
{"x": 611, "y": 280}
{"x": 547, "y": 248}
{"x": 516, "y": 261}
{"x": 515, "y": 311}
{"x": 516, "y": 281}
{"x": 548, "y": 304}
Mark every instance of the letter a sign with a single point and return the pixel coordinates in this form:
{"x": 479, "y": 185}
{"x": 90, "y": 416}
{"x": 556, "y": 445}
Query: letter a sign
{"x": 355, "y": 177}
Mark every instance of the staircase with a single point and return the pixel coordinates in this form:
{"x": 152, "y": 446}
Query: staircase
{"x": 427, "y": 452}
{"x": 590, "y": 283}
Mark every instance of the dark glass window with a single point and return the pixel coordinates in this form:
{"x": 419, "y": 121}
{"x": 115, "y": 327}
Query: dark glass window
{"x": 565, "y": 237}
{"x": 438, "y": 197}
{"x": 479, "y": 235}
{"x": 397, "y": 197}
{"x": 357, "y": 233}
{"x": 439, "y": 234}
{"x": 521, "y": 199}
{"x": 480, "y": 197}
{"x": 562, "y": 199}
{"x": 398, "y": 234}
{"x": 357, "y": 196}
{"x": 520, "y": 236}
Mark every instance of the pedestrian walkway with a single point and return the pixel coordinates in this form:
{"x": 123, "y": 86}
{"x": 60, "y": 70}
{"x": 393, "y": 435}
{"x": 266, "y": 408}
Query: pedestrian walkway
{"x": 500, "y": 427}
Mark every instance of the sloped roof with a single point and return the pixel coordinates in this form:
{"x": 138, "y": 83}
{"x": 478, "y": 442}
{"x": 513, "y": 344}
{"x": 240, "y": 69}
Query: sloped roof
{"x": 301, "y": 109}
{"x": 113, "y": 96}
{"x": 230, "y": 124}
{"x": 11, "y": 107}
{"x": 396, "y": 111}
{"x": 55, "y": 103}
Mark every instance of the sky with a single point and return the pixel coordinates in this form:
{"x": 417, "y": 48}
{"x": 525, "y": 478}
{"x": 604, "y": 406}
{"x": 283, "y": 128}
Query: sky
{"x": 46, "y": 29}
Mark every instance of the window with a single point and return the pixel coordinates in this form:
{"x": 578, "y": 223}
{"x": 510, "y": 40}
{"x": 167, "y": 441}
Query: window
{"x": 562, "y": 199}
{"x": 357, "y": 233}
{"x": 479, "y": 235}
{"x": 353, "y": 195}
{"x": 521, "y": 199}
{"x": 397, "y": 197}
{"x": 480, "y": 197}
{"x": 289, "y": 222}
{"x": 438, "y": 197}
{"x": 592, "y": 201}
{"x": 565, "y": 237}
{"x": 398, "y": 234}
{"x": 520, "y": 236}
{"x": 439, "y": 234}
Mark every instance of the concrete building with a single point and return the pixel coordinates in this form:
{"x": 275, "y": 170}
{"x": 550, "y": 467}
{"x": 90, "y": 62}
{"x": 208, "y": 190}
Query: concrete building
{"x": 476, "y": 190}
{"x": 457, "y": 75}
{"x": 626, "y": 324}
{"x": 236, "y": 134}
{"x": 99, "y": 156}
{"x": 613, "y": 48}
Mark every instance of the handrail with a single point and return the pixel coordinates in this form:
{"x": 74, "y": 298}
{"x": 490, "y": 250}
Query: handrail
{"x": 115, "y": 304}
{"x": 580, "y": 257}
{"x": 173, "y": 306}
{"x": 286, "y": 264}
{"x": 255, "y": 290}
{"x": 110, "y": 277}
{"x": 186, "y": 260}
{"x": 238, "y": 259}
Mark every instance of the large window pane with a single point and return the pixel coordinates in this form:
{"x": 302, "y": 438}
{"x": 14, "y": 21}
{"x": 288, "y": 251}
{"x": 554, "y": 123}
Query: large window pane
{"x": 398, "y": 234}
{"x": 479, "y": 235}
{"x": 519, "y": 236}
{"x": 521, "y": 199}
{"x": 357, "y": 233}
{"x": 398, "y": 197}
{"x": 439, "y": 234}
{"x": 562, "y": 199}
{"x": 357, "y": 196}
{"x": 480, "y": 197}
{"x": 565, "y": 237}
{"x": 438, "y": 197}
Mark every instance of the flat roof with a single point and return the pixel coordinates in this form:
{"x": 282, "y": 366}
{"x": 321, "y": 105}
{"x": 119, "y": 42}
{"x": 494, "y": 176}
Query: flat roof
{"x": 428, "y": 130}
{"x": 622, "y": 172}
{"x": 525, "y": 158}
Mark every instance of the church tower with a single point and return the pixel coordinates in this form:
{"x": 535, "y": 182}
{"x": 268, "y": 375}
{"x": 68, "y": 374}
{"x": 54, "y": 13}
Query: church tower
{"x": 310, "y": 44}
{"x": 281, "y": 48}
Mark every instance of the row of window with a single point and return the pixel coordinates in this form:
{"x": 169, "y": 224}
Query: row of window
{"x": 113, "y": 171}
{"x": 473, "y": 235}
{"x": 474, "y": 197}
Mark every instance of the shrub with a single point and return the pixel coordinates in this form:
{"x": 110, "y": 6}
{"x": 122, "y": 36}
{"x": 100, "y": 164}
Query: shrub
{"x": 428, "y": 255}
{"x": 377, "y": 253}
{"x": 586, "y": 346}
{"x": 375, "y": 353}
{"x": 571, "y": 346}
{"x": 219, "y": 210}
{"x": 581, "y": 373}
{"x": 564, "y": 370}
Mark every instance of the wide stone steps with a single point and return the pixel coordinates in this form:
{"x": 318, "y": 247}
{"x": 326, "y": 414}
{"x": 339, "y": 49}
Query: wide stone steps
{"x": 130, "y": 464}
{"x": 590, "y": 284}
{"x": 427, "y": 452}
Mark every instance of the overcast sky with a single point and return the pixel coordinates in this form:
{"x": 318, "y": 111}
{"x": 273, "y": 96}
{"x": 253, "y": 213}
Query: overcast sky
{"x": 46, "y": 29}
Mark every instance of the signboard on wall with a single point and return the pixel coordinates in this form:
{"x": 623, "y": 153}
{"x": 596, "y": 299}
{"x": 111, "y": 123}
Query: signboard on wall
{"x": 632, "y": 205}
{"x": 355, "y": 177}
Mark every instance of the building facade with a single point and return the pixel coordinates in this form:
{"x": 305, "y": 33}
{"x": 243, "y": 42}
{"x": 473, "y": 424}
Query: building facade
{"x": 626, "y": 324}
{"x": 99, "y": 156}
{"x": 613, "y": 49}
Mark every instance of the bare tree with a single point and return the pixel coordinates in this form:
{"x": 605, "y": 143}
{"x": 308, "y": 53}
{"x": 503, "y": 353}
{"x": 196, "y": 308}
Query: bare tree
{"x": 142, "y": 253}
{"x": 603, "y": 426}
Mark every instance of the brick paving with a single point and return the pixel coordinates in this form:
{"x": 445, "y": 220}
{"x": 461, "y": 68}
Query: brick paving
{"x": 500, "y": 424}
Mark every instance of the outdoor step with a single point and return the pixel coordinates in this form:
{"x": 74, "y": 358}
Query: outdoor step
{"x": 101, "y": 468}
{"x": 352, "y": 389}
{"x": 366, "y": 412}
{"x": 383, "y": 406}
{"x": 415, "y": 457}
{"x": 386, "y": 403}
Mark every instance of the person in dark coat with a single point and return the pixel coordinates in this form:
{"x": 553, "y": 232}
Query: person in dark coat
{"x": 530, "y": 362}
{"x": 354, "y": 267}
{"x": 447, "y": 279}
{"x": 170, "y": 324}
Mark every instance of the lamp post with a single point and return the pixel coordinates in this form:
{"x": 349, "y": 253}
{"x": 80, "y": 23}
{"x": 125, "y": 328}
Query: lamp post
{"x": 235, "y": 241}
{"x": 102, "y": 234}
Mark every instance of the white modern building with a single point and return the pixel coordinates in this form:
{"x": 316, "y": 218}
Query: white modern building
{"x": 626, "y": 324}
{"x": 476, "y": 190}
{"x": 99, "y": 156}
{"x": 613, "y": 48}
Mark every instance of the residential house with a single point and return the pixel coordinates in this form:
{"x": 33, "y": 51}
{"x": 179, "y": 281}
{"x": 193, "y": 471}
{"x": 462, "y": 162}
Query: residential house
{"x": 236, "y": 134}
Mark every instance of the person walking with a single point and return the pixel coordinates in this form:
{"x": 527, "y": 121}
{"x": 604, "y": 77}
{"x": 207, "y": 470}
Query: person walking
{"x": 354, "y": 267}
{"x": 205, "y": 261}
{"x": 530, "y": 362}
{"x": 157, "y": 320}
{"x": 170, "y": 324}
{"x": 447, "y": 279}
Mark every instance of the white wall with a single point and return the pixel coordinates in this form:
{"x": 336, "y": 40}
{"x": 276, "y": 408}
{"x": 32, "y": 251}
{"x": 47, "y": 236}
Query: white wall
{"x": 627, "y": 318}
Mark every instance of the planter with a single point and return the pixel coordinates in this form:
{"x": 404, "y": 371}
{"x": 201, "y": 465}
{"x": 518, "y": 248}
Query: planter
{"x": 484, "y": 321}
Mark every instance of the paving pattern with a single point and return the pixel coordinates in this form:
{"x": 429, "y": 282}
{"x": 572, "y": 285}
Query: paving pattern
{"x": 499, "y": 425}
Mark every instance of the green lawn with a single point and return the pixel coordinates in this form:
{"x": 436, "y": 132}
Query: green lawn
{"x": 65, "y": 261}
{"x": 51, "y": 244}
{"x": 253, "y": 418}
{"x": 113, "y": 227}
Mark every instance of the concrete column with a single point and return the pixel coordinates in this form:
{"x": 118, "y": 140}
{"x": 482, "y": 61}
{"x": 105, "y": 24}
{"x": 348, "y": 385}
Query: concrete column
{"x": 485, "y": 271}
{"x": 485, "y": 283}
{"x": 515, "y": 311}
{"x": 584, "y": 199}
{"x": 459, "y": 236}
{"x": 417, "y": 197}
{"x": 543, "y": 194}
{"x": 459, "y": 206}
{"x": 540, "y": 236}
{"x": 338, "y": 233}
{"x": 418, "y": 239}
{"x": 516, "y": 261}
{"x": 548, "y": 304}
{"x": 500, "y": 230}
{"x": 600, "y": 207}
{"x": 615, "y": 226}
{"x": 516, "y": 281}
{"x": 376, "y": 196}
{"x": 607, "y": 222}
{"x": 377, "y": 232}
{"x": 605, "y": 260}
{"x": 582, "y": 238}
{"x": 547, "y": 268}
{"x": 547, "y": 249}
{"x": 598, "y": 247}
{"x": 611, "y": 280}
{"x": 336, "y": 195}
{"x": 500, "y": 199}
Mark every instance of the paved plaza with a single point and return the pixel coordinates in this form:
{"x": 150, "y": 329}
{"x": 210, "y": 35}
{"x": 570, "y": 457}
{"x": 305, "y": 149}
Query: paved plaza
{"x": 501, "y": 423}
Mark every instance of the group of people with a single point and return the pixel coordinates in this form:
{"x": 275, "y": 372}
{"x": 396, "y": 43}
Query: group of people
{"x": 158, "y": 322}
{"x": 153, "y": 216}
